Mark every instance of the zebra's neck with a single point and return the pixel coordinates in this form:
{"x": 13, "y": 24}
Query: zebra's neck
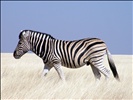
{"x": 41, "y": 43}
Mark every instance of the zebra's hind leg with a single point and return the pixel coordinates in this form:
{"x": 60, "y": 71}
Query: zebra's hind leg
{"x": 97, "y": 62}
{"x": 103, "y": 70}
{"x": 96, "y": 73}
{"x": 99, "y": 65}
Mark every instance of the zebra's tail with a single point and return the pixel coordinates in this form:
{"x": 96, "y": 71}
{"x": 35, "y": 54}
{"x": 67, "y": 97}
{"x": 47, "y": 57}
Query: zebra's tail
{"x": 112, "y": 65}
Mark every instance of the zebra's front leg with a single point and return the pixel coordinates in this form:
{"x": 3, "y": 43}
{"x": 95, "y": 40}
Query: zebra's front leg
{"x": 46, "y": 69}
{"x": 59, "y": 71}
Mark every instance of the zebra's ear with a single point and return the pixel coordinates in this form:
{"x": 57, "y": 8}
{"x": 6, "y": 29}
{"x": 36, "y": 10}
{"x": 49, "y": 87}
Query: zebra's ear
{"x": 25, "y": 34}
{"x": 20, "y": 35}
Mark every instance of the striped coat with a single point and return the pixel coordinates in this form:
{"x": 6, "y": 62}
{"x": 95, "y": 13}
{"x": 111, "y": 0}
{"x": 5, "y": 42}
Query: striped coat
{"x": 71, "y": 54}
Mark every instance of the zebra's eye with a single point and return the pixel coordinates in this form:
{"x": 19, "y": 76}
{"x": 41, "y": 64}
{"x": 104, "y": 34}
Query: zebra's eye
{"x": 20, "y": 43}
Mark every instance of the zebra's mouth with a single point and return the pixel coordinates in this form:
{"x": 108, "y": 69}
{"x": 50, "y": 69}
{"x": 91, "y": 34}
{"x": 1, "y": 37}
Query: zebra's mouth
{"x": 17, "y": 57}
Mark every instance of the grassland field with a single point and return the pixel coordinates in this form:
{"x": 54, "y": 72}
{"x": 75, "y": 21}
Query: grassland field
{"x": 23, "y": 79}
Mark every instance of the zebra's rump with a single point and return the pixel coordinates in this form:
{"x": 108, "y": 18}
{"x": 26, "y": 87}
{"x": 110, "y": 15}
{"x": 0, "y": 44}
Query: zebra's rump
{"x": 75, "y": 54}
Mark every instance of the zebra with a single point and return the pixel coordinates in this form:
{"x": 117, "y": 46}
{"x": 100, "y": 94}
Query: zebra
{"x": 71, "y": 54}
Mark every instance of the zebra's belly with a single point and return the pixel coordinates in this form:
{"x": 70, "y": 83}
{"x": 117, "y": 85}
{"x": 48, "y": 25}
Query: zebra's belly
{"x": 71, "y": 65}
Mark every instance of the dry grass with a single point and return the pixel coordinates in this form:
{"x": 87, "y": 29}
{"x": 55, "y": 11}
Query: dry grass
{"x": 22, "y": 79}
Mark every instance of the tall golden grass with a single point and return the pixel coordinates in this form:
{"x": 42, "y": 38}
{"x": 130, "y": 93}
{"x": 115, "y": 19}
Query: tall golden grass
{"x": 23, "y": 79}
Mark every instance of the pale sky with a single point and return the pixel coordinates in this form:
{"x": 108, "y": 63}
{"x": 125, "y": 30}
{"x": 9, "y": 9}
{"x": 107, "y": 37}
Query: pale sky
{"x": 69, "y": 20}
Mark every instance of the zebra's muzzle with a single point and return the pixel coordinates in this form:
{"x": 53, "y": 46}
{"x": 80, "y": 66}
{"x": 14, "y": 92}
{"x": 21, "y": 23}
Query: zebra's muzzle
{"x": 15, "y": 55}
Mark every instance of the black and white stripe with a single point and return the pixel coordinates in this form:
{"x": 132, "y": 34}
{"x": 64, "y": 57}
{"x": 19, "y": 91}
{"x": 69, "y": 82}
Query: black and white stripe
{"x": 72, "y": 54}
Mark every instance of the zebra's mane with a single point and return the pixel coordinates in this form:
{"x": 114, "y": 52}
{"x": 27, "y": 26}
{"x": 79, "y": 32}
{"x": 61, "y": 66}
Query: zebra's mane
{"x": 21, "y": 33}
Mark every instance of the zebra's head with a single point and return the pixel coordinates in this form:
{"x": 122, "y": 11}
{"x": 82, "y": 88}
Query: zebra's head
{"x": 23, "y": 45}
